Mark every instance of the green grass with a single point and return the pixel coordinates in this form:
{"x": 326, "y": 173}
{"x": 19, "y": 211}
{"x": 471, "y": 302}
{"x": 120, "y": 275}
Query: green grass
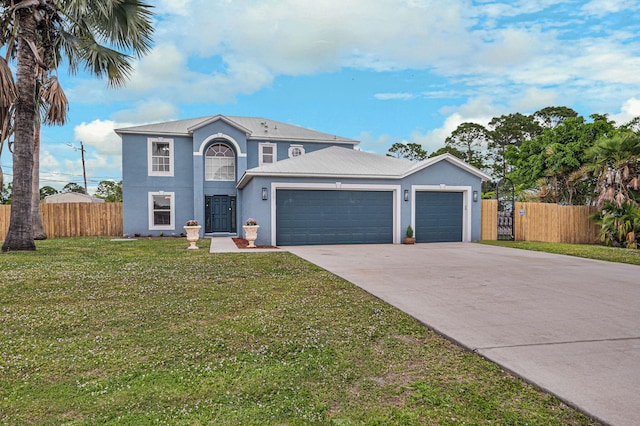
{"x": 610, "y": 254}
{"x": 145, "y": 332}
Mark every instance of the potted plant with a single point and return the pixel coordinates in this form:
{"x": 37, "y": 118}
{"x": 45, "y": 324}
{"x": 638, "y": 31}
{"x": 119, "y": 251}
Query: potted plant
{"x": 409, "y": 236}
{"x": 193, "y": 233}
{"x": 251, "y": 231}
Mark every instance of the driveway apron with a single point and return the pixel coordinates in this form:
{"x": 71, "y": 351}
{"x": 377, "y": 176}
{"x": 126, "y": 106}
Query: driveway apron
{"x": 569, "y": 325}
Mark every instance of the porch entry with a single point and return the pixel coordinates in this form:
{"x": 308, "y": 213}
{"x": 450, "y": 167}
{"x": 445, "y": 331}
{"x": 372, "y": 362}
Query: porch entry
{"x": 220, "y": 213}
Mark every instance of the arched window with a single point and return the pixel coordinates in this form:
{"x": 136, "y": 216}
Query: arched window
{"x": 220, "y": 163}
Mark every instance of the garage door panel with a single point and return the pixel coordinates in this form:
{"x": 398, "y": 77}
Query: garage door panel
{"x": 306, "y": 217}
{"x": 439, "y": 216}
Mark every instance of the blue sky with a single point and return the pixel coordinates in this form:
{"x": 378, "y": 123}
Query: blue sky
{"x": 379, "y": 71}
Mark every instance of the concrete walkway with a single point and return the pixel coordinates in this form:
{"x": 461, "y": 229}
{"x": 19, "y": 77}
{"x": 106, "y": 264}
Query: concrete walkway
{"x": 226, "y": 245}
{"x": 569, "y": 325}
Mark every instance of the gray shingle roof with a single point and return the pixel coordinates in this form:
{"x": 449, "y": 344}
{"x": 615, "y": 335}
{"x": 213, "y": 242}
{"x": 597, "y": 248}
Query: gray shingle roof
{"x": 348, "y": 163}
{"x": 333, "y": 162}
{"x": 256, "y": 128}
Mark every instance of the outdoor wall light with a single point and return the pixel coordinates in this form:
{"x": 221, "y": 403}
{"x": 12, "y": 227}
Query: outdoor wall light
{"x": 264, "y": 193}
{"x": 475, "y": 196}
{"x": 406, "y": 195}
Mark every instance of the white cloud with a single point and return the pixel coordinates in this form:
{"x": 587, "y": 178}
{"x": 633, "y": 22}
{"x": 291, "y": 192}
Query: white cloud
{"x": 534, "y": 99}
{"x": 215, "y": 50}
{"x": 100, "y": 136}
{"x": 394, "y": 96}
{"x": 151, "y": 111}
{"x": 380, "y": 144}
{"x": 605, "y": 7}
{"x": 629, "y": 110}
{"x": 48, "y": 160}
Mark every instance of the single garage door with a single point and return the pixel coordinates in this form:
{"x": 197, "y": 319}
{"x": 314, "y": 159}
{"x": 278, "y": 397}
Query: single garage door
{"x": 438, "y": 217}
{"x": 305, "y": 217}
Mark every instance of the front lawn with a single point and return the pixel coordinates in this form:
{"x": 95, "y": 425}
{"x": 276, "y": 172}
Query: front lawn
{"x": 610, "y": 254}
{"x": 145, "y": 332}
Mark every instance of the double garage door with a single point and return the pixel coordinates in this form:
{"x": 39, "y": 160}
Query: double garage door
{"x": 308, "y": 217}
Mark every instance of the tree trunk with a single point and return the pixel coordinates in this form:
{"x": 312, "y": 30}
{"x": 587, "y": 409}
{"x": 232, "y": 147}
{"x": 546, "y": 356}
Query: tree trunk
{"x": 38, "y": 226}
{"x": 20, "y": 233}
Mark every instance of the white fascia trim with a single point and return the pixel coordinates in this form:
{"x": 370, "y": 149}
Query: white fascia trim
{"x": 147, "y": 133}
{"x": 236, "y": 145}
{"x": 339, "y": 186}
{"x": 248, "y": 175}
{"x": 266, "y": 138}
{"x": 466, "y": 205}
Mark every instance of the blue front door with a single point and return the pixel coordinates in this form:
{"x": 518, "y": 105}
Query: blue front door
{"x": 220, "y": 213}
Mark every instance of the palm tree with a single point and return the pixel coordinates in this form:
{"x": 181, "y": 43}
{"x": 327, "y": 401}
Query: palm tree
{"x": 88, "y": 33}
{"x": 615, "y": 162}
{"x": 53, "y": 105}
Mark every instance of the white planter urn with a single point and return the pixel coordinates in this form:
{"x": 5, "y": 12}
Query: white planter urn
{"x": 193, "y": 235}
{"x": 251, "y": 233}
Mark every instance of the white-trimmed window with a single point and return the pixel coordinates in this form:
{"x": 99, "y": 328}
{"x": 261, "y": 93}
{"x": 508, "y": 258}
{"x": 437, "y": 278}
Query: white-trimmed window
{"x": 160, "y": 156}
{"x": 220, "y": 163}
{"x": 162, "y": 210}
{"x": 268, "y": 153}
{"x": 295, "y": 150}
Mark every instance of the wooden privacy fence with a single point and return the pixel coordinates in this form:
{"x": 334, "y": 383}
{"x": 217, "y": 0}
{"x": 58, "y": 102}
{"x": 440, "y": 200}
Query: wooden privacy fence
{"x": 544, "y": 222}
{"x": 74, "y": 219}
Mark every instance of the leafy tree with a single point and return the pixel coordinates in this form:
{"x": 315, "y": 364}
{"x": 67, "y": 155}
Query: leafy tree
{"x": 449, "y": 150}
{"x": 411, "y": 151}
{"x": 509, "y": 131}
{"x": 552, "y": 117}
{"x": 73, "y": 187}
{"x": 5, "y": 194}
{"x": 552, "y": 162}
{"x": 41, "y": 34}
{"x": 469, "y": 138}
{"x": 632, "y": 126}
{"x": 110, "y": 191}
{"x": 45, "y": 191}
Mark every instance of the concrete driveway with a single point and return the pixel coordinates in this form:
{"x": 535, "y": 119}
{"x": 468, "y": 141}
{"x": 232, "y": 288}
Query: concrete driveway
{"x": 569, "y": 325}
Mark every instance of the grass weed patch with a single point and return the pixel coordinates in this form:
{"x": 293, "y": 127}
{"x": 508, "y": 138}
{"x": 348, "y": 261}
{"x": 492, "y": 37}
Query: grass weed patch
{"x": 145, "y": 332}
{"x": 598, "y": 252}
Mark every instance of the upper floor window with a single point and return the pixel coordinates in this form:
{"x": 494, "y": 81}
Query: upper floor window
{"x": 220, "y": 163}
{"x": 268, "y": 153}
{"x": 161, "y": 210}
{"x": 160, "y": 156}
{"x": 295, "y": 150}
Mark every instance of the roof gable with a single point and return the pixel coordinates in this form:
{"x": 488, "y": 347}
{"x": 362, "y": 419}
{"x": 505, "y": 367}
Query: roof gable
{"x": 215, "y": 118}
{"x": 451, "y": 159}
{"x": 333, "y": 162}
{"x": 340, "y": 162}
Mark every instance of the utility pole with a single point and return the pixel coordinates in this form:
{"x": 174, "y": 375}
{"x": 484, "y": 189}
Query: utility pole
{"x": 84, "y": 170}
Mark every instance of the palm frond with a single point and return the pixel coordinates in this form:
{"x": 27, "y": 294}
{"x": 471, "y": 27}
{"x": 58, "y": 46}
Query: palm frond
{"x": 8, "y": 90}
{"x": 122, "y": 24}
{"x": 103, "y": 61}
{"x": 56, "y": 102}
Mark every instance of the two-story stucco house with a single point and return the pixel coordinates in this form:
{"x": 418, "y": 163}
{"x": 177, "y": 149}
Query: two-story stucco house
{"x": 302, "y": 186}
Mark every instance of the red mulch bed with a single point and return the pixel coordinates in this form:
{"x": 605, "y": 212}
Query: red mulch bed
{"x": 243, "y": 244}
